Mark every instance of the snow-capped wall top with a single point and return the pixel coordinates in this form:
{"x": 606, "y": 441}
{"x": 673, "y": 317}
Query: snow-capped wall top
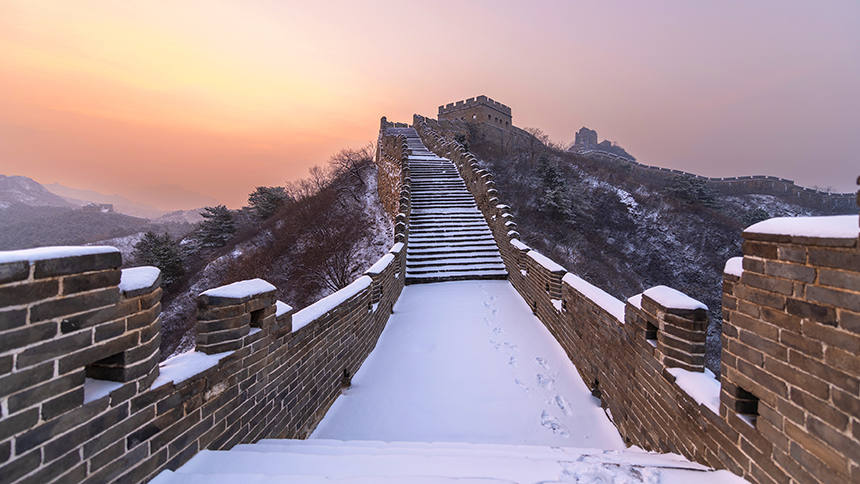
{"x": 47, "y": 253}
{"x": 546, "y": 262}
{"x": 519, "y": 245}
{"x": 596, "y": 295}
{"x": 380, "y": 265}
{"x": 735, "y": 266}
{"x": 673, "y": 298}
{"x": 240, "y": 289}
{"x": 396, "y": 248}
{"x": 836, "y": 226}
{"x": 138, "y": 278}
{"x": 326, "y": 304}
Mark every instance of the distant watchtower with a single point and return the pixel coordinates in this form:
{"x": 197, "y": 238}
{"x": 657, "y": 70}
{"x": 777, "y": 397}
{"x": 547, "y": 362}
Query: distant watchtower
{"x": 586, "y": 139}
{"x": 479, "y": 109}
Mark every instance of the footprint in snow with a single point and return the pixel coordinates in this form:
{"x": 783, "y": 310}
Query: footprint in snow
{"x": 488, "y": 321}
{"x": 513, "y": 362}
{"x": 564, "y": 405}
{"x": 497, "y": 346}
{"x": 525, "y": 388}
{"x": 512, "y": 346}
{"x": 499, "y": 330}
{"x": 542, "y": 362}
{"x": 545, "y": 382}
{"x": 495, "y": 312}
{"x": 488, "y": 304}
{"x": 492, "y": 298}
{"x": 552, "y": 423}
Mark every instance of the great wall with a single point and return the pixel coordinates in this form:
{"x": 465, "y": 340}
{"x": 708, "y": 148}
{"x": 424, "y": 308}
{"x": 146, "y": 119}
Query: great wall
{"x": 83, "y": 398}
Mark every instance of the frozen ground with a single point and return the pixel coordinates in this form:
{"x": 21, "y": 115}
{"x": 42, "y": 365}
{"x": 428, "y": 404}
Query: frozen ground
{"x": 468, "y": 362}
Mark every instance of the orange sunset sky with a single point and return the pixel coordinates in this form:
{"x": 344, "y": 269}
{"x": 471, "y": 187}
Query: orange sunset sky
{"x": 222, "y": 96}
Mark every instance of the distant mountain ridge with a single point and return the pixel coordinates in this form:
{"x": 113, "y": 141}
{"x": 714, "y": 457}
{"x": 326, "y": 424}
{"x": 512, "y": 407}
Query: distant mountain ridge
{"x": 23, "y": 190}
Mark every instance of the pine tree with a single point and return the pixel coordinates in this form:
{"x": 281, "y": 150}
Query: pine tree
{"x": 265, "y": 201}
{"x": 163, "y": 252}
{"x": 217, "y": 226}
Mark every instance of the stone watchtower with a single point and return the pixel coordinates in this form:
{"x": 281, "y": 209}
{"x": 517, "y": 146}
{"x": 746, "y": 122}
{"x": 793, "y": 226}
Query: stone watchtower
{"x": 586, "y": 139}
{"x": 479, "y": 109}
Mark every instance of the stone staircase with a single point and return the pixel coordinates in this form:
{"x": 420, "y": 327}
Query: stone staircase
{"x": 320, "y": 461}
{"x": 449, "y": 240}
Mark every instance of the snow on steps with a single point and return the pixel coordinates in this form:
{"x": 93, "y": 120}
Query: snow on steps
{"x": 322, "y": 461}
{"x": 449, "y": 240}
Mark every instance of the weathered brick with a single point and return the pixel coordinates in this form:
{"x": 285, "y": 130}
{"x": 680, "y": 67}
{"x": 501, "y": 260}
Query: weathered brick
{"x": 93, "y": 353}
{"x": 21, "y": 294}
{"x": 794, "y": 272}
{"x": 74, "y": 304}
{"x": 90, "y": 281}
{"x": 843, "y": 380}
{"x": 120, "y": 310}
{"x": 757, "y": 296}
{"x": 796, "y": 253}
{"x": 849, "y": 321}
{"x": 768, "y": 283}
{"x": 13, "y": 318}
{"x": 76, "y": 265}
{"x": 14, "y": 424}
{"x": 144, "y": 318}
{"x": 63, "y": 403}
{"x": 37, "y": 394}
{"x": 83, "y": 433}
{"x": 38, "y": 435}
{"x": 22, "y": 466}
{"x": 832, "y": 336}
{"x": 843, "y": 360}
{"x": 781, "y": 319}
{"x": 806, "y": 345}
{"x": 834, "y": 297}
{"x": 20, "y": 380}
{"x": 838, "y": 259}
{"x": 14, "y": 271}
{"x": 760, "y": 249}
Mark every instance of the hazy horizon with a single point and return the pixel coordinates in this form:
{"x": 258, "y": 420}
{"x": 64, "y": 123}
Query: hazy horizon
{"x": 222, "y": 96}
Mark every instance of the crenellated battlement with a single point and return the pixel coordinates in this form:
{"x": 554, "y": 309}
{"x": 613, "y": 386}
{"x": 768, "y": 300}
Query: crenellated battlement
{"x": 479, "y": 109}
{"x": 84, "y": 398}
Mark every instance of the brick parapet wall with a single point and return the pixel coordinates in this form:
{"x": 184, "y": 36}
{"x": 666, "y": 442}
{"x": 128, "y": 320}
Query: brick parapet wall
{"x": 791, "y": 339}
{"x": 790, "y": 351}
{"x": 65, "y": 318}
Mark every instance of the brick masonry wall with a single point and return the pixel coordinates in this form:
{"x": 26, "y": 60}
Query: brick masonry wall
{"x": 791, "y": 339}
{"x": 64, "y": 319}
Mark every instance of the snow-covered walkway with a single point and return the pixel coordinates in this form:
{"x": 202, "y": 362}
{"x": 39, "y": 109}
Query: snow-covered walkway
{"x": 468, "y": 362}
{"x": 465, "y": 386}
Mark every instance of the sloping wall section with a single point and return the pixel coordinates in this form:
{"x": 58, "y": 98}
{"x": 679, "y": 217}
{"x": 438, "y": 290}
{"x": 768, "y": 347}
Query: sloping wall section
{"x": 82, "y": 395}
{"x": 787, "y": 406}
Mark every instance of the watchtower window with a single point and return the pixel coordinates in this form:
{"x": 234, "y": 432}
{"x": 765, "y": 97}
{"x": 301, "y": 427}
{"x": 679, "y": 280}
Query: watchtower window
{"x": 474, "y": 117}
{"x": 489, "y": 117}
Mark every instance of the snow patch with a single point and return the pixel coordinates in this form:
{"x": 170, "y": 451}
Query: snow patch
{"x": 704, "y": 388}
{"x": 326, "y": 304}
{"x": 598, "y": 296}
{"x": 183, "y": 366}
{"x": 837, "y": 226}
{"x": 636, "y": 301}
{"x": 47, "y": 253}
{"x": 95, "y": 389}
{"x": 138, "y": 278}
{"x": 735, "y": 266}
{"x": 240, "y": 289}
{"x": 673, "y": 298}
{"x": 282, "y": 308}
